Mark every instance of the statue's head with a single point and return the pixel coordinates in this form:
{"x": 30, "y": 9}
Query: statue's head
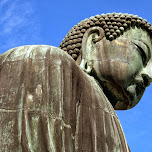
{"x": 116, "y": 49}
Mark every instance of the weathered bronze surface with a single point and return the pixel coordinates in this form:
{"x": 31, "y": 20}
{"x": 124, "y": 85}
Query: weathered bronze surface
{"x": 49, "y": 102}
{"x": 123, "y": 67}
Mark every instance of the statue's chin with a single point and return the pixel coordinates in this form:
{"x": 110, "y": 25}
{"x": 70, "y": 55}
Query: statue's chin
{"x": 122, "y": 98}
{"x": 134, "y": 93}
{"x": 132, "y": 96}
{"x": 129, "y": 99}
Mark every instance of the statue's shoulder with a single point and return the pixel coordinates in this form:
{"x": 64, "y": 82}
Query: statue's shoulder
{"x": 35, "y": 52}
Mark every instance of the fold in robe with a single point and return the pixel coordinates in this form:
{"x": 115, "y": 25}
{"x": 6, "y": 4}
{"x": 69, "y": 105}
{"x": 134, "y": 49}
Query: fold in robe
{"x": 48, "y": 104}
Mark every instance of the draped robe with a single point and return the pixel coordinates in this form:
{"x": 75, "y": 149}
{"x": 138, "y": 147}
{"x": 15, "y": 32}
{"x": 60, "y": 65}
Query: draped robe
{"x": 48, "y": 104}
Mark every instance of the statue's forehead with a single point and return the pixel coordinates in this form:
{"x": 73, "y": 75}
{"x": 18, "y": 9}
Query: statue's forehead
{"x": 138, "y": 34}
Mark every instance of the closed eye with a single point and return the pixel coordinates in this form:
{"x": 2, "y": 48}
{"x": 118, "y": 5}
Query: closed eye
{"x": 142, "y": 53}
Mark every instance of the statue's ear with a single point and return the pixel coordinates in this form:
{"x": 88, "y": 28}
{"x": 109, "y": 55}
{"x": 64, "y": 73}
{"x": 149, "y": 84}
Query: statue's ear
{"x": 91, "y": 36}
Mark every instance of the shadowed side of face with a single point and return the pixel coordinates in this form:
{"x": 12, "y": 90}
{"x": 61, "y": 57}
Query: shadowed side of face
{"x": 123, "y": 67}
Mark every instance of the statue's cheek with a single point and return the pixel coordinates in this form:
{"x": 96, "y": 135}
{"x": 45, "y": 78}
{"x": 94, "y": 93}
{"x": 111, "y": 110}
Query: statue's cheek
{"x": 120, "y": 72}
{"x": 111, "y": 70}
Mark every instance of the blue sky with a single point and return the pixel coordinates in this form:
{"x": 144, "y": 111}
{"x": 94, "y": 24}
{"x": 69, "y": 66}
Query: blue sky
{"x": 45, "y": 22}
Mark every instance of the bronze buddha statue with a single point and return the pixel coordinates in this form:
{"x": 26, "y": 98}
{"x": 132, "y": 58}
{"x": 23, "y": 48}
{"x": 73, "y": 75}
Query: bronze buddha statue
{"x": 51, "y": 102}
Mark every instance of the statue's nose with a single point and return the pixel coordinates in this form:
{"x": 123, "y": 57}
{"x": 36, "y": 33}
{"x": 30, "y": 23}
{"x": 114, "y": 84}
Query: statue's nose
{"x": 146, "y": 74}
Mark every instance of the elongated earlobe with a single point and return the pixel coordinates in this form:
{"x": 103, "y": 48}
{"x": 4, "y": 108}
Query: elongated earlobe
{"x": 85, "y": 67}
{"x": 86, "y": 49}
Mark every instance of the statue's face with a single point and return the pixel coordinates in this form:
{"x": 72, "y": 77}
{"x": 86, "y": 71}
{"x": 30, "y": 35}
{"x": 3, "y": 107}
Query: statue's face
{"x": 124, "y": 67}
